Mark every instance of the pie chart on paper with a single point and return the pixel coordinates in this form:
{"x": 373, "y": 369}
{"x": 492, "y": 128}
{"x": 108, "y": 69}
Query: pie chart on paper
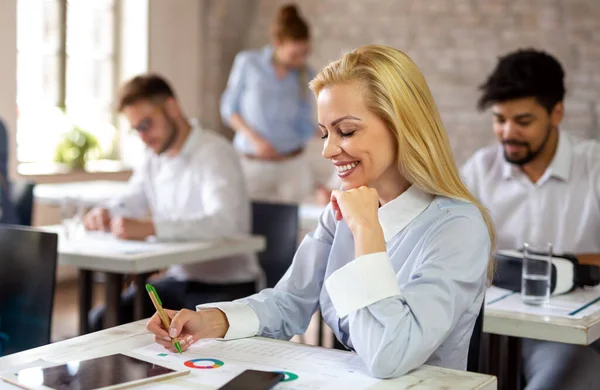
{"x": 288, "y": 376}
{"x": 204, "y": 363}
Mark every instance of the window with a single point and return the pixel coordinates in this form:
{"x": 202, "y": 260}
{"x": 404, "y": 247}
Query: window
{"x": 66, "y": 59}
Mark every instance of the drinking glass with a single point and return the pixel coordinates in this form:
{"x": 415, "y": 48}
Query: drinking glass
{"x": 537, "y": 272}
{"x": 72, "y": 217}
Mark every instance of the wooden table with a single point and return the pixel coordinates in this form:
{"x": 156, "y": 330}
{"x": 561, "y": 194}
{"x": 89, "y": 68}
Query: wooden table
{"x": 96, "y": 251}
{"x": 127, "y": 337}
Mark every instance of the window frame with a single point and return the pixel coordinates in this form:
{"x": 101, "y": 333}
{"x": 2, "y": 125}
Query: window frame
{"x": 31, "y": 168}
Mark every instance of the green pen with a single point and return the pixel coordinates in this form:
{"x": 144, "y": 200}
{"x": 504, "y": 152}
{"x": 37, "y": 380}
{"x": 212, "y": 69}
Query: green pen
{"x": 161, "y": 313}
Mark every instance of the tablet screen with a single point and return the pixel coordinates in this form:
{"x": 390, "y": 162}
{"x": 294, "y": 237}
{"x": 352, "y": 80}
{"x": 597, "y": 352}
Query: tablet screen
{"x": 91, "y": 374}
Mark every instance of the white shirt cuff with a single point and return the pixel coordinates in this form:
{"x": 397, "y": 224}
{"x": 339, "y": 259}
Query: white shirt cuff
{"x": 243, "y": 321}
{"x": 362, "y": 282}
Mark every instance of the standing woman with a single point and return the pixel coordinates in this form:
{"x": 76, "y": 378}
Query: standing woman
{"x": 268, "y": 104}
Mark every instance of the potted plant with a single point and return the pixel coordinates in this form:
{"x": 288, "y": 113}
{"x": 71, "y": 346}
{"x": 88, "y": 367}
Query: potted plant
{"x": 76, "y": 147}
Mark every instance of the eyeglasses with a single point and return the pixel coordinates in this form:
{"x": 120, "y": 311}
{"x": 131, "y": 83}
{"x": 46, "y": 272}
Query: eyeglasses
{"x": 146, "y": 124}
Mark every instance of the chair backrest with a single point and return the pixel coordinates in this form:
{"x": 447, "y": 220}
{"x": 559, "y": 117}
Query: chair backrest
{"x": 27, "y": 279}
{"x": 475, "y": 343}
{"x": 278, "y": 223}
{"x": 8, "y": 214}
{"x": 21, "y": 193}
{"x": 3, "y": 150}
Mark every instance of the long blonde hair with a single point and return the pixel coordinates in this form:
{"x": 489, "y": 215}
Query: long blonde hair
{"x": 395, "y": 90}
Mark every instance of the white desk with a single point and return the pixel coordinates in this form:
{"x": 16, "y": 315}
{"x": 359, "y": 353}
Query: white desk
{"x": 562, "y": 330}
{"x": 582, "y": 331}
{"x": 90, "y": 193}
{"x": 101, "y": 252}
{"x": 127, "y": 337}
{"x": 505, "y": 328}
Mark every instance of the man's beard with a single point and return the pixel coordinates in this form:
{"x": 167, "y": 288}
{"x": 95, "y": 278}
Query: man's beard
{"x": 531, "y": 154}
{"x": 172, "y": 135}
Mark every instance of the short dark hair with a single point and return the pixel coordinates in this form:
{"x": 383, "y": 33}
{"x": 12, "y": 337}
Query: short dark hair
{"x": 525, "y": 73}
{"x": 143, "y": 87}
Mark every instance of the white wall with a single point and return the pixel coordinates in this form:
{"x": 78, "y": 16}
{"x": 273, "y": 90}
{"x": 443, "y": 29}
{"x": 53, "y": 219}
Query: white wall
{"x": 133, "y": 39}
{"x": 174, "y": 48}
{"x": 133, "y": 60}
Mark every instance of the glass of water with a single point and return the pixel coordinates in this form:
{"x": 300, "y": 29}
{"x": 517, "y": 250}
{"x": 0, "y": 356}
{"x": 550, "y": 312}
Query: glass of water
{"x": 72, "y": 217}
{"x": 537, "y": 271}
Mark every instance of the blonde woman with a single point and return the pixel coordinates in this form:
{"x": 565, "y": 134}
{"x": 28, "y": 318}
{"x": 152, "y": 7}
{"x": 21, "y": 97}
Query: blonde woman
{"x": 399, "y": 261}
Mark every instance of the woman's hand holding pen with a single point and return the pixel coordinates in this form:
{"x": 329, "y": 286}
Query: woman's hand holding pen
{"x": 188, "y": 326}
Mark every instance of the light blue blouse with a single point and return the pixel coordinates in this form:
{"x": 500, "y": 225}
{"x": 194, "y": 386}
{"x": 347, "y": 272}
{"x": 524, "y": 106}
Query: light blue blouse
{"x": 279, "y": 110}
{"x": 416, "y": 303}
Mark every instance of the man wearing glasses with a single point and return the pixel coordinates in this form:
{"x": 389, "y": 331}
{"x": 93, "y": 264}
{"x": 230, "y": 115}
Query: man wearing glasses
{"x": 190, "y": 187}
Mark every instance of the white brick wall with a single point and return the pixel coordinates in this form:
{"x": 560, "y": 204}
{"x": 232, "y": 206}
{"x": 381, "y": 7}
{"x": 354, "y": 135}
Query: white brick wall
{"x": 454, "y": 42}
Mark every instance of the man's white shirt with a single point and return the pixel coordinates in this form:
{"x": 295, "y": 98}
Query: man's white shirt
{"x": 198, "y": 194}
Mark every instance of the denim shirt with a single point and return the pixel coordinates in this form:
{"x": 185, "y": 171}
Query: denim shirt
{"x": 280, "y": 110}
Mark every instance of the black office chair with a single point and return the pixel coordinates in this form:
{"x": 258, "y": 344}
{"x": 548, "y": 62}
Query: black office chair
{"x": 27, "y": 279}
{"x": 7, "y": 210}
{"x": 279, "y": 224}
{"x": 475, "y": 343}
{"x": 21, "y": 194}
